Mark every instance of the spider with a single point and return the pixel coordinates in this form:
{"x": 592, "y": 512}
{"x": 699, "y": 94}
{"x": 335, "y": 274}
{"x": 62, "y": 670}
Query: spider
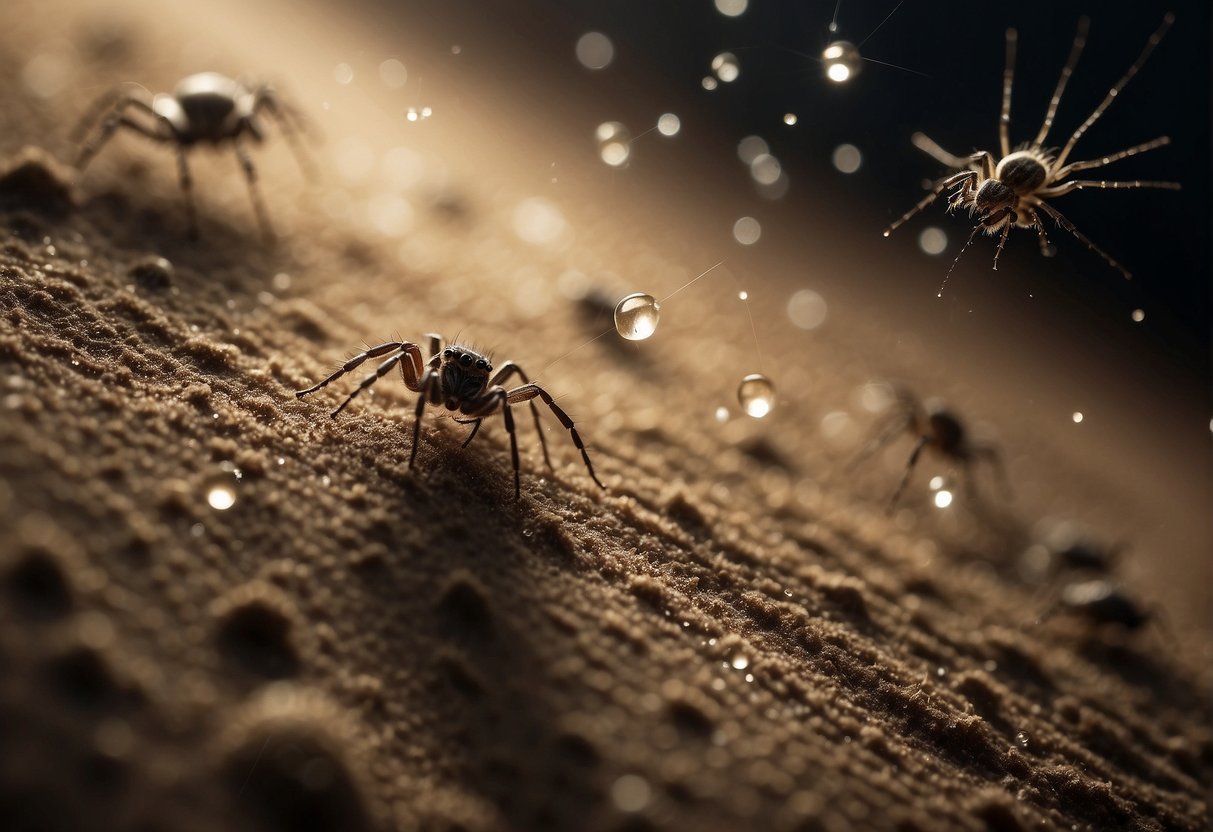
{"x": 935, "y": 426}
{"x": 461, "y": 379}
{"x": 1103, "y": 602}
{"x": 206, "y": 108}
{"x": 1014, "y": 191}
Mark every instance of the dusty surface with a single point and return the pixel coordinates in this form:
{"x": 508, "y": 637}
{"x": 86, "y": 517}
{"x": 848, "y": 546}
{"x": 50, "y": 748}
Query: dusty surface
{"x": 733, "y": 636}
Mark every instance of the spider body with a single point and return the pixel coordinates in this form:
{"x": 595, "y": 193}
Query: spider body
{"x": 1103, "y": 602}
{"x": 206, "y": 108}
{"x": 933, "y": 425}
{"x": 462, "y": 380}
{"x": 1013, "y": 191}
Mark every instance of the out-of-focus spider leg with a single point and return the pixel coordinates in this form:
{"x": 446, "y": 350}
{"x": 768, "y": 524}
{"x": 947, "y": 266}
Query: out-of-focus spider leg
{"x": 928, "y": 146}
{"x": 1062, "y": 173}
{"x": 1079, "y": 184}
{"x": 1154, "y": 40}
{"x": 118, "y": 118}
{"x": 187, "y": 189}
{"x": 250, "y": 174}
{"x": 290, "y": 122}
{"x": 508, "y": 369}
{"x": 905, "y": 477}
{"x": 530, "y": 391}
{"x": 1008, "y": 79}
{"x": 357, "y": 360}
{"x": 380, "y": 371}
{"x": 1060, "y": 219}
{"x": 990, "y": 454}
{"x": 894, "y": 428}
{"x": 954, "y": 179}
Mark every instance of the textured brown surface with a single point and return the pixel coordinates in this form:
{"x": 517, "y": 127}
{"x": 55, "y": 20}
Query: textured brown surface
{"x": 734, "y": 636}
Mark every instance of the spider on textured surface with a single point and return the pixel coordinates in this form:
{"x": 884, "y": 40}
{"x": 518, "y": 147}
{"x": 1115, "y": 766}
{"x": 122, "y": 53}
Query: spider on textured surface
{"x": 460, "y": 379}
{"x": 206, "y": 108}
{"x": 1011, "y": 191}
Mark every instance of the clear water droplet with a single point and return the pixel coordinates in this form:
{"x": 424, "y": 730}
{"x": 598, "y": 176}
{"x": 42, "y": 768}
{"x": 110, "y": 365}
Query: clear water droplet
{"x": 932, "y": 240}
{"x": 669, "y": 124}
{"x": 594, "y": 50}
{"x": 415, "y": 114}
{"x": 943, "y": 498}
{"x": 941, "y": 672}
{"x": 789, "y": 119}
{"x": 1022, "y": 739}
{"x": 1076, "y": 416}
{"x": 722, "y": 414}
{"x": 709, "y": 83}
{"x": 747, "y": 230}
{"x": 740, "y": 662}
{"x": 847, "y": 159}
{"x": 1139, "y": 315}
{"x": 842, "y": 61}
{"x": 614, "y": 143}
{"x": 726, "y": 67}
{"x": 806, "y": 309}
{"x": 732, "y": 8}
{"x": 636, "y": 316}
{"x": 756, "y": 395}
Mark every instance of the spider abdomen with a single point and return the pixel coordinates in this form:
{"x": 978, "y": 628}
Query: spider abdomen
{"x": 1022, "y": 172}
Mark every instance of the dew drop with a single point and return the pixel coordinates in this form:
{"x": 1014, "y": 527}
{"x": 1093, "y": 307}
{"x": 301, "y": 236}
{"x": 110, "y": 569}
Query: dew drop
{"x": 221, "y": 497}
{"x": 1139, "y": 315}
{"x": 1076, "y": 416}
{"x": 747, "y": 230}
{"x": 806, "y": 309}
{"x": 751, "y": 147}
{"x": 765, "y": 169}
{"x": 726, "y": 67}
{"x": 614, "y": 143}
{"x": 740, "y": 662}
{"x": 732, "y": 8}
{"x": 415, "y": 114}
{"x": 636, "y": 316}
{"x": 722, "y": 414}
{"x": 393, "y": 74}
{"x": 756, "y": 395}
{"x": 933, "y": 240}
{"x": 789, "y": 119}
{"x": 669, "y": 124}
{"x": 1022, "y": 739}
{"x": 943, "y": 498}
{"x": 709, "y": 83}
{"x": 842, "y": 61}
{"x": 343, "y": 74}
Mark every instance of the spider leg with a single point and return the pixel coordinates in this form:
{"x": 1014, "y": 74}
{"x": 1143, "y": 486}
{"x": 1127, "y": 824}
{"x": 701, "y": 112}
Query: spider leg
{"x": 892, "y": 429}
{"x": 356, "y": 361}
{"x": 475, "y": 423}
{"x": 435, "y": 346}
{"x": 954, "y": 179}
{"x": 530, "y": 391}
{"x": 1080, "y": 40}
{"x": 1062, "y": 173}
{"x": 928, "y": 146}
{"x": 1008, "y": 214}
{"x": 427, "y": 381}
{"x": 905, "y": 477}
{"x": 990, "y": 454}
{"x": 117, "y": 105}
{"x": 952, "y": 267}
{"x": 1032, "y": 219}
{"x": 1008, "y": 78}
{"x": 292, "y": 124}
{"x": 1060, "y": 219}
{"x": 1154, "y": 40}
{"x": 250, "y": 174}
{"x": 187, "y": 188}
{"x": 1079, "y": 184}
{"x": 508, "y": 369}
{"x": 380, "y": 371}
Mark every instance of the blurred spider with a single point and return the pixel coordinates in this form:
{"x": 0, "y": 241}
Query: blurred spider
{"x": 934, "y": 426}
{"x": 459, "y": 378}
{"x": 1103, "y": 602}
{"x": 207, "y": 108}
{"x": 1013, "y": 191}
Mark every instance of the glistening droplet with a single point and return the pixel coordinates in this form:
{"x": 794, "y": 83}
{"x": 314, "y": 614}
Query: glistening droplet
{"x": 636, "y": 316}
{"x": 842, "y": 61}
{"x": 756, "y": 395}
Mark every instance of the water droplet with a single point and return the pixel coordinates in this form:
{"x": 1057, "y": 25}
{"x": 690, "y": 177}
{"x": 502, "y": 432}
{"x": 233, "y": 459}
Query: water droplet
{"x": 631, "y": 793}
{"x": 636, "y": 316}
{"x": 756, "y": 395}
{"x": 416, "y": 114}
{"x": 789, "y": 119}
{"x": 847, "y": 159}
{"x": 943, "y": 498}
{"x": 747, "y": 230}
{"x": 669, "y": 124}
{"x": 726, "y": 67}
{"x": 722, "y": 414}
{"x": 595, "y": 50}
{"x": 343, "y": 74}
{"x": 1076, "y": 416}
{"x": 282, "y": 460}
{"x": 740, "y": 662}
{"x": 1139, "y": 315}
{"x": 806, "y": 309}
{"x": 221, "y": 497}
{"x": 765, "y": 169}
{"x": 709, "y": 83}
{"x": 614, "y": 143}
{"x": 842, "y": 61}
{"x": 732, "y": 8}
{"x": 787, "y": 592}
{"x": 932, "y": 240}
{"x": 751, "y": 147}
{"x": 743, "y": 295}
{"x": 749, "y": 677}
{"x": 1022, "y": 739}
{"x": 941, "y": 672}
{"x": 393, "y": 74}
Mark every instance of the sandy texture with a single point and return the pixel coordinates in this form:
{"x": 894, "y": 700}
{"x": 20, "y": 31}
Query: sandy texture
{"x": 734, "y": 635}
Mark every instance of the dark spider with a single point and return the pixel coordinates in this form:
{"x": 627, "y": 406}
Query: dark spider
{"x": 460, "y": 379}
{"x": 1103, "y": 602}
{"x": 1011, "y": 192}
{"x": 207, "y": 108}
{"x": 934, "y": 426}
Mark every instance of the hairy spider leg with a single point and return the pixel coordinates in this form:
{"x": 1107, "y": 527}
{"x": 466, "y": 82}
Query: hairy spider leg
{"x": 930, "y": 147}
{"x": 119, "y": 118}
{"x": 354, "y": 363}
{"x": 508, "y": 369}
{"x": 428, "y": 386}
{"x": 1008, "y": 78}
{"x": 1062, "y": 173}
{"x": 530, "y": 391}
{"x": 1154, "y": 40}
{"x": 1060, "y": 219}
{"x": 993, "y": 220}
{"x": 1080, "y": 41}
{"x": 954, "y": 179}
{"x": 495, "y": 398}
{"x": 1079, "y": 184}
